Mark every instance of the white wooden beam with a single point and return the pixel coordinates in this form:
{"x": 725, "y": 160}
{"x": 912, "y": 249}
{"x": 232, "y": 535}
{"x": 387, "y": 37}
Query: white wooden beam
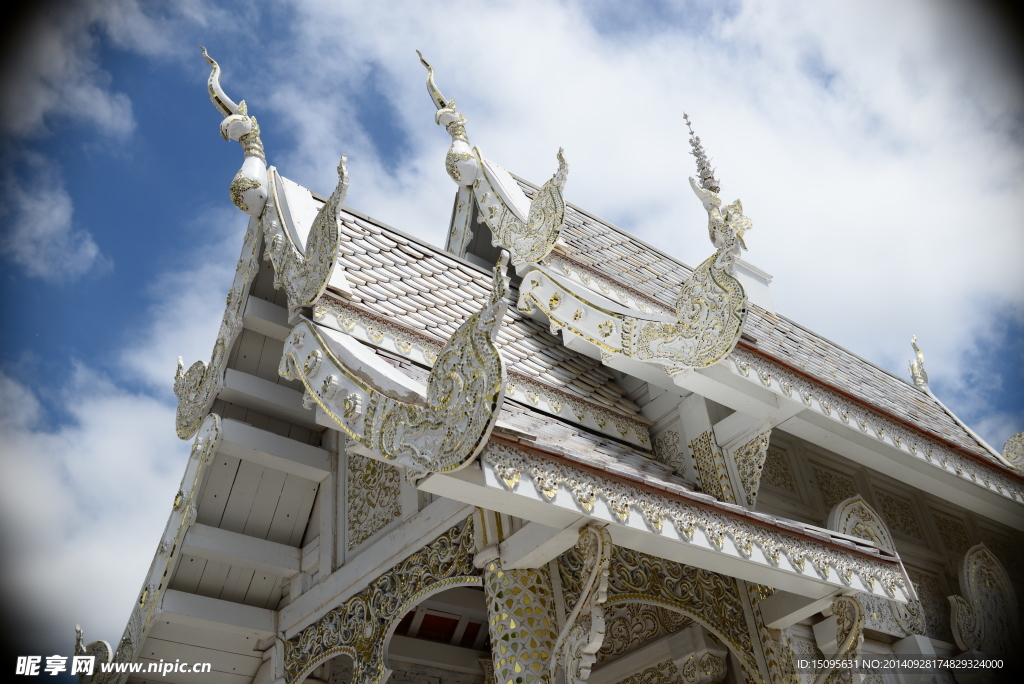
{"x": 210, "y": 613}
{"x": 274, "y": 451}
{"x": 265, "y": 318}
{"x": 267, "y": 397}
{"x": 535, "y": 545}
{"x": 782, "y": 609}
{"x": 244, "y": 551}
{"x": 423, "y": 652}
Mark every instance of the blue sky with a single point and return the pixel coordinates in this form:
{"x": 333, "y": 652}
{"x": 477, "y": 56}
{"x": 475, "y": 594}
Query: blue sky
{"x": 877, "y": 148}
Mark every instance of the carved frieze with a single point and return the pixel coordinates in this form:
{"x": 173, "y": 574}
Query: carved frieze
{"x": 833, "y": 486}
{"x": 512, "y": 465}
{"x": 899, "y": 513}
{"x": 359, "y": 627}
{"x": 840, "y": 408}
{"x": 953, "y": 532}
{"x": 1013, "y": 452}
{"x": 776, "y": 470}
{"x": 630, "y": 626}
{"x": 856, "y": 518}
{"x": 441, "y": 431}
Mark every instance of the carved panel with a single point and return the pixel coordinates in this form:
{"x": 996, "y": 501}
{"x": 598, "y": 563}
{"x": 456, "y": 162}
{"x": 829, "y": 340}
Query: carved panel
{"x": 934, "y": 603}
{"x": 899, "y": 514}
{"x": 776, "y": 470}
{"x": 662, "y": 673}
{"x": 666, "y": 450}
{"x": 954, "y": 534}
{"x": 778, "y": 649}
{"x": 630, "y": 626}
{"x": 833, "y": 486}
{"x": 749, "y": 461}
{"x": 711, "y": 468}
{"x": 373, "y": 493}
{"x": 359, "y": 627}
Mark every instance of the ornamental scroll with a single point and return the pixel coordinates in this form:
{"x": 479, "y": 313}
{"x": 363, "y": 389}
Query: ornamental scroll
{"x": 583, "y": 634}
{"x": 984, "y": 618}
{"x": 527, "y": 229}
{"x": 361, "y": 626}
{"x": 1013, "y": 452}
{"x": 387, "y": 416}
{"x": 856, "y": 518}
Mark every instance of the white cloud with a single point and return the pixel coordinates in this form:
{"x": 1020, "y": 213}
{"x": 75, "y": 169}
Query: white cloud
{"x": 38, "y": 218}
{"x": 84, "y": 500}
{"x": 874, "y": 146}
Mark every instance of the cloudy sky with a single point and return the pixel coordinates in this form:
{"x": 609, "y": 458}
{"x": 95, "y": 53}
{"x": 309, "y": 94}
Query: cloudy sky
{"x": 878, "y": 147}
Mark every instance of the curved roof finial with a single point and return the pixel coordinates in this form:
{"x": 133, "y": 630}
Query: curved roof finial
{"x": 704, "y": 170}
{"x": 917, "y": 371}
{"x": 224, "y": 104}
{"x": 440, "y": 101}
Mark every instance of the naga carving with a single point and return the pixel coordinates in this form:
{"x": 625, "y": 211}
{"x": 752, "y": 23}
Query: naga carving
{"x": 304, "y": 274}
{"x": 984, "y": 617}
{"x": 711, "y": 306}
{"x": 249, "y": 187}
{"x": 839, "y": 637}
{"x": 917, "y": 371}
{"x": 392, "y": 418}
{"x": 527, "y": 229}
{"x": 583, "y": 634}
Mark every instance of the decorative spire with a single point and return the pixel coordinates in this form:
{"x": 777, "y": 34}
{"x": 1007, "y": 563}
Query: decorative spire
{"x": 704, "y": 170}
{"x": 917, "y": 371}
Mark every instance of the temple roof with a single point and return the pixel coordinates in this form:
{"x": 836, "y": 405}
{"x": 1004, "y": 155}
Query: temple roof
{"x": 411, "y": 283}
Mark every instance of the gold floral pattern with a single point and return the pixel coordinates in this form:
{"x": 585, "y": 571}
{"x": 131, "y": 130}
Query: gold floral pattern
{"x": 373, "y": 494}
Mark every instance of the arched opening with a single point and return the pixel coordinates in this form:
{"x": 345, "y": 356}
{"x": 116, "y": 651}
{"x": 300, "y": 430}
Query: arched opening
{"x": 441, "y": 639}
{"x": 637, "y": 633}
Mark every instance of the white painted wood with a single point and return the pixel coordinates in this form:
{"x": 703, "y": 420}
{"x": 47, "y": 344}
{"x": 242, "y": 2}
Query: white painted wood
{"x": 214, "y": 576}
{"x": 216, "y": 489}
{"x": 242, "y": 496}
{"x": 537, "y": 544}
{"x": 220, "y": 661}
{"x": 433, "y": 653}
{"x": 207, "y": 638}
{"x": 241, "y": 550}
{"x": 276, "y": 400}
{"x": 351, "y": 578}
{"x": 273, "y": 451}
{"x": 266, "y": 318}
{"x": 188, "y": 573}
{"x": 261, "y": 589}
{"x": 268, "y": 493}
{"x": 782, "y": 609}
{"x": 292, "y": 512}
{"x": 181, "y": 678}
{"x": 208, "y": 613}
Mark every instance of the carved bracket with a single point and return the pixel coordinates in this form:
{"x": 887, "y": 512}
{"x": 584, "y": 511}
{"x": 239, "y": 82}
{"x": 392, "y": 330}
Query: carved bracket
{"x": 438, "y": 430}
{"x": 583, "y": 633}
{"x": 839, "y": 636}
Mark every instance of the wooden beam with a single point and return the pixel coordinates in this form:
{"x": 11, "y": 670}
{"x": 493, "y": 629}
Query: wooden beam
{"x": 267, "y": 397}
{"x": 265, "y": 318}
{"x": 535, "y": 545}
{"x": 210, "y": 613}
{"x": 244, "y": 551}
{"x": 274, "y": 451}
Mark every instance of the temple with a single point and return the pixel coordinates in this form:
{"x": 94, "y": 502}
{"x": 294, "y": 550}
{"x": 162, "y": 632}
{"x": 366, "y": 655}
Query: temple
{"x": 551, "y": 453}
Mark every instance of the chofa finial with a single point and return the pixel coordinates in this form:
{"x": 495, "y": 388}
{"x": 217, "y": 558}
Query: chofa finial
{"x": 917, "y": 372}
{"x": 440, "y": 101}
{"x": 704, "y": 170}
